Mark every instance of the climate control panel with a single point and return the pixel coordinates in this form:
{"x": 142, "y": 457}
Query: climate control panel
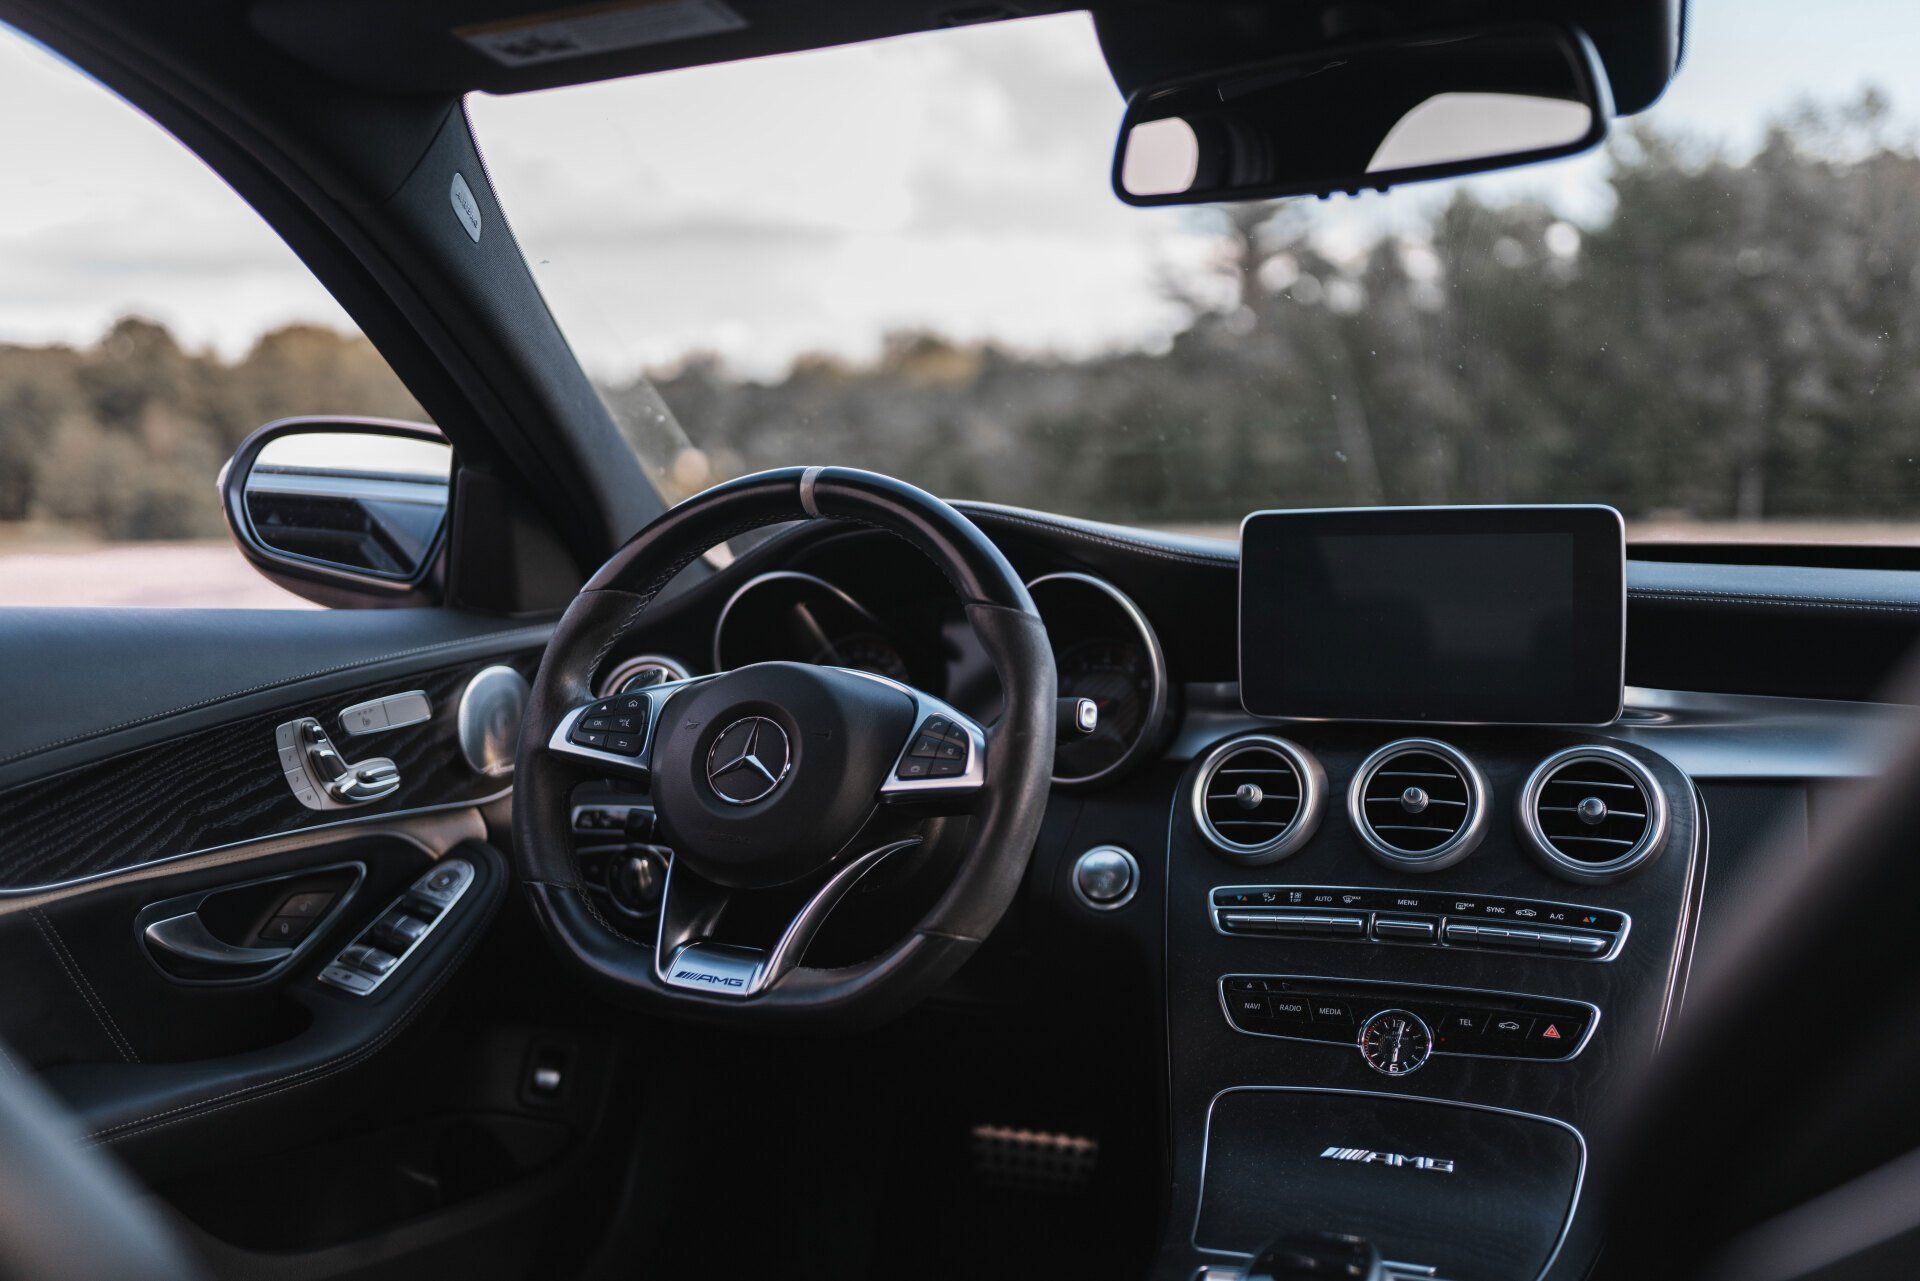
{"x": 1424, "y": 918}
{"x": 1397, "y": 1026}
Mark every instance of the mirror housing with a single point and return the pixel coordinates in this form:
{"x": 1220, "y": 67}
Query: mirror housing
{"x": 1365, "y": 116}
{"x": 347, "y": 512}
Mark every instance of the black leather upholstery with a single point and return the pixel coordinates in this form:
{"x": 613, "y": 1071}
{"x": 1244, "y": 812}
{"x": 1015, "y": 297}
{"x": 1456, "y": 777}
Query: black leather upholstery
{"x": 66, "y": 1214}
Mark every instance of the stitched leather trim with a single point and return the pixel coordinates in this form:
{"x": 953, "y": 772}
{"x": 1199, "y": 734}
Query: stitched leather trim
{"x": 77, "y": 976}
{"x": 1692, "y": 595}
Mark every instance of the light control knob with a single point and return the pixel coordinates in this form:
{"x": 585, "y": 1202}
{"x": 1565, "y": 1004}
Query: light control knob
{"x": 1105, "y": 877}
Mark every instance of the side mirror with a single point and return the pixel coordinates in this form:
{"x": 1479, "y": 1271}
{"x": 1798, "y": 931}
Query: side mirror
{"x": 344, "y": 511}
{"x": 1364, "y": 116}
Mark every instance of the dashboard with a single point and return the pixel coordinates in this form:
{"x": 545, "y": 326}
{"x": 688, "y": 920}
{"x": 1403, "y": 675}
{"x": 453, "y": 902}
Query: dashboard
{"x": 1409, "y": 939}
{"x": 912, "y": 630}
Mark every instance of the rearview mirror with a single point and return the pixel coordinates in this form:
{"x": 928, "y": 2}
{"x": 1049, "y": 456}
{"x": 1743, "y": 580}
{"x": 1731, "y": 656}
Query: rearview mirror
{"x": 358, "y": 506}
{"x": 1364, "y": 117}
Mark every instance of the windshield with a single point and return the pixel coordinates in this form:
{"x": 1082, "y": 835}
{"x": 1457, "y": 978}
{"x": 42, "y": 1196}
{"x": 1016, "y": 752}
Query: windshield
{"x": 906, "y": 256}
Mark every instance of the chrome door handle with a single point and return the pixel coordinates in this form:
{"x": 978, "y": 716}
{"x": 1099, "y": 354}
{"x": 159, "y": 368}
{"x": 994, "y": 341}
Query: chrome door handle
{"x": 367, "y": 781}
{"x": 323, "y": 779}
{"x": 187, "y": 937}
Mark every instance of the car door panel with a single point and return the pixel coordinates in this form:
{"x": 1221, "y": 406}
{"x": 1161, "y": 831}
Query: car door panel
{"x": 225, "y": 783}
{"x": 84, "y": 684}
{"x": 144, "y": 813}
{"x": 296, "y": 1069}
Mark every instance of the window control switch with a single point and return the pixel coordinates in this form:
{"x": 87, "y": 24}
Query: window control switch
{"x": 399, "y": 929}
{"x": 370, "y": 959}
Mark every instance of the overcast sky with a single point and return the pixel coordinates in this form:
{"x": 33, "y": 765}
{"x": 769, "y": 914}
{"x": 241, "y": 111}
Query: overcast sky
{"x": 956, "y": 180}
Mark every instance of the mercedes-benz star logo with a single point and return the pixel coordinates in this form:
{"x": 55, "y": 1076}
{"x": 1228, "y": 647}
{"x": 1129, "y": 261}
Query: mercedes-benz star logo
{"x": 748, "y": 760}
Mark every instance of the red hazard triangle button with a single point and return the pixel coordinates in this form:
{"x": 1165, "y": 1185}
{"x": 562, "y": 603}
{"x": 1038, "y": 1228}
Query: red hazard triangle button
{"x": 1551, "y": 1034}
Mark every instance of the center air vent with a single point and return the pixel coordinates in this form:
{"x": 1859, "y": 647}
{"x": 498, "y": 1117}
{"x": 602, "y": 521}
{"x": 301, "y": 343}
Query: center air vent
{"x": 1258, "y": 798}
{"x": 1418, "y": 804}
{"x": 1593, "y": 813}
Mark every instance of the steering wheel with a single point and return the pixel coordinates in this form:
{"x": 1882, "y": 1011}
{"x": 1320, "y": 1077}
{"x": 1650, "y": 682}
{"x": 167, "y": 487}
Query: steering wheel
{"x": 778, "y": 786}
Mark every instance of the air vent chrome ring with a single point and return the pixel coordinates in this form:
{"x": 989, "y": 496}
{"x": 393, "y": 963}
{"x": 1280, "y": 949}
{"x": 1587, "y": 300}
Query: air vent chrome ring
{"x": 1415, "y": 800}
{"x": 1307, "y": 775}
{"x": 658, "y": 666}
{"x": 1652, "y": 838}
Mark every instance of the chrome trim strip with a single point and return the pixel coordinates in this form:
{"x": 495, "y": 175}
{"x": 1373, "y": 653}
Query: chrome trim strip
{"x": 1593, "y": 1022}
{"x": 1455, "y": 847}
{"x": 1708, "y": 736}
{"x": 1620, "y": 943}
{"x": 1206, "y": 1140}
{"x": 807, "y": 921}
{"x": 358, "y": 820}
{"x": 1306, "y": 820}
{"x": 626, "y": 668}
{"x": 1158, "y": 703}
{"x": 1651, "y": 841}
{"x": 779, "y": 575}
{"x": 743, "y": 972}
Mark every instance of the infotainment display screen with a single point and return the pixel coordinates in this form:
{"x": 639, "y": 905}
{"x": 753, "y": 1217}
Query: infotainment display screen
{"x": 1512, "y": 615}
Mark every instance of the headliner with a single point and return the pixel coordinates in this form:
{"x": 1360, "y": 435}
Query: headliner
{"x": 436, "y": 46}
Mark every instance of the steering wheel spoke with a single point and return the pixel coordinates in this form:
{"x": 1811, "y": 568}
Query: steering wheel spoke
{"x": 944, "y": 757}
{"x": 687, "y": 955}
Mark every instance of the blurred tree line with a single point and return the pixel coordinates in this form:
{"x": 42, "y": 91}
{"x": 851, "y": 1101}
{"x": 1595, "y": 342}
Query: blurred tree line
{"x": 123, "y": 439}
{"x": 1734, "y": 340}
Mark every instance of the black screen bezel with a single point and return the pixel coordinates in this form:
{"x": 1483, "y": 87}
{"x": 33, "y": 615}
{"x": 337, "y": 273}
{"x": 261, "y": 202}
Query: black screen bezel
{"x": 1600, "y": 597}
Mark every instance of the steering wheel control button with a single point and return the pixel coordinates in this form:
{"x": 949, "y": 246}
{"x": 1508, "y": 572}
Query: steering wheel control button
{"x": 614, "y": 725}
{"x": 1422, "y": 918}
{"x": 1106, "y": 877}
{"x": 940, "y": 749}
{"x": 1395, "y": 1042}
{"x": 1460, "y": 1022}
{"x": 382, "y": 948}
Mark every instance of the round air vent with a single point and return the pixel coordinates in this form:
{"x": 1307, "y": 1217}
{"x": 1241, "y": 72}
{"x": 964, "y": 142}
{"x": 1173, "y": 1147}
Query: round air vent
{"x": 1258, "y": 798}
{"x": 1593, "y": 813}
{"x": 1418, "y": 804}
